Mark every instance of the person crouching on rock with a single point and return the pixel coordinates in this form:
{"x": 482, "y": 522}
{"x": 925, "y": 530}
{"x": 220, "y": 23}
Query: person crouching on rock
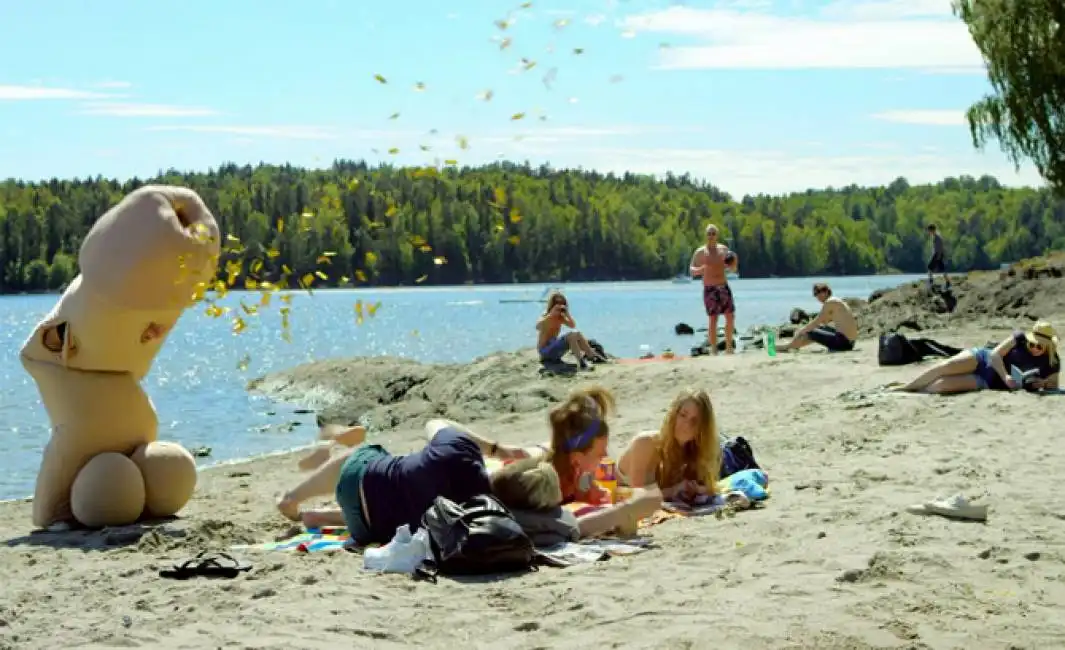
{"x": 552, "y": 344}
{"x": 839, "y": 338}
{"x": 1034, "y": 352}
{"x": 683, "y": 457}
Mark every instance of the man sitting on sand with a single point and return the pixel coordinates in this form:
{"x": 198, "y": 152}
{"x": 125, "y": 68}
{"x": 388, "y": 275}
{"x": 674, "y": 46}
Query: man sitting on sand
{"x": 839, "y": 338}
{"x": 552, "y": 344}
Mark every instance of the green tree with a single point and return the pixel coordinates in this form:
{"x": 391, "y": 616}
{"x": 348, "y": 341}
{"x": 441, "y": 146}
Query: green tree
{"x": 1024, "y": 47}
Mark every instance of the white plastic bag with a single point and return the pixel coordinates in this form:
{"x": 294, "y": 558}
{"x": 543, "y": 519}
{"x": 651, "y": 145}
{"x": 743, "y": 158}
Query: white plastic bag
{"x": 403, "y": 554}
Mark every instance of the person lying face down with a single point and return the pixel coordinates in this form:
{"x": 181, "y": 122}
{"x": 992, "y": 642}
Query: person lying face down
{"x": 682, "y": 458}
{"x": 1035, "y": 351}
{"x": 377, "y": 492}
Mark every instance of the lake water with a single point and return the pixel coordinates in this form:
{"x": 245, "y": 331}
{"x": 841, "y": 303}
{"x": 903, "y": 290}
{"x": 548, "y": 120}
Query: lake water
{"x": 198, "y": 380}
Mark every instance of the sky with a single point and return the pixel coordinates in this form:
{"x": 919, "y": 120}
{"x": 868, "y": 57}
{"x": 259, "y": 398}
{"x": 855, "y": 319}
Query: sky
{"x": 755, "y": 96}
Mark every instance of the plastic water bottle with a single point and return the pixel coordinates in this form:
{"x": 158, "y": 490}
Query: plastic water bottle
{"x": 771, "y": 342}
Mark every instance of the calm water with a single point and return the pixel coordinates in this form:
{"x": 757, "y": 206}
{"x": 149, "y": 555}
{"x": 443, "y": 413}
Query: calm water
{"x": 198, "y": 381}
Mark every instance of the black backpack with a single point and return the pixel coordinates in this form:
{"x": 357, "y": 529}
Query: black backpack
{"x": 896, "y": 350}
{"x": 736, "y": 456}
{"x": 480, "y": 536}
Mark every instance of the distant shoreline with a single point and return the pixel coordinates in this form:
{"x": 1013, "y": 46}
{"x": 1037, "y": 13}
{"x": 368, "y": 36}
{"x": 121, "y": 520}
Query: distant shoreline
{"x": 375, "y": 287}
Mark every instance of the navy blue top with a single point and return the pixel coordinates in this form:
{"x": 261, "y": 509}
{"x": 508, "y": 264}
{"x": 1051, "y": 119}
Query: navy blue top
{"x": 399, "y": 489}
{"x": 1020, "y": 356}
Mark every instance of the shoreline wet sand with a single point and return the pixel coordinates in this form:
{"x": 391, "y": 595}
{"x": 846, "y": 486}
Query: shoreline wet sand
{"x": 831, "y": 561}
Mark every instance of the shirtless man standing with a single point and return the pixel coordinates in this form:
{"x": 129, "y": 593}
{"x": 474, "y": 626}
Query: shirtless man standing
{"x": 710, "y": 262}
{"x": 837, "y": 339}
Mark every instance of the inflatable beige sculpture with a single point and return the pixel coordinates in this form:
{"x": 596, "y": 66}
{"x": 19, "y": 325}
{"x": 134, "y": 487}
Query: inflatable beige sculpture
{"x": 140, "y": 266}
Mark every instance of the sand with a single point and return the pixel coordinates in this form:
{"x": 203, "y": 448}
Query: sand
{"x": 832, "y": 560}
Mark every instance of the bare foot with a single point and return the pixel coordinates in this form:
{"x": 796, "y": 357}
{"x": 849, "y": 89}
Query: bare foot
{"x": 346, "y": 436}
{"x": 289, "y": 508}
{"x": 315, "y": 459}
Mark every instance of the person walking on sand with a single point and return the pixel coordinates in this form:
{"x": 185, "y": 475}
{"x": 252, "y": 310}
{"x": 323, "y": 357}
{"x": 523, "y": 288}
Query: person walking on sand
{"x": 710, "y": 262}
{"x": 938, "y": 263}
{"x": 835, "y": 327}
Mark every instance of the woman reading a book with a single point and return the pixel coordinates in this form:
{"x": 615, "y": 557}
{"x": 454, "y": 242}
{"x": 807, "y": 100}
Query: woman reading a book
{"x": 1027, "y": 360}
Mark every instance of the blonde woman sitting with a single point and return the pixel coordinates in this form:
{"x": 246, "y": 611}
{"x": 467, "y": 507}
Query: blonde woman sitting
{"x": 682, "y": 458}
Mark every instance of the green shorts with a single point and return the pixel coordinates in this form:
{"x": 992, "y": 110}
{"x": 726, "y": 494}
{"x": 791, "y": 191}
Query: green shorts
{"x": 347, "y": 492}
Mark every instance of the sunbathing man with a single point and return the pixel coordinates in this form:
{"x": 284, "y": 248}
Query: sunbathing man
{"x": 552, "y": 344}
{"x": 682, "y": 458}
{"x": 710, "y": 263}
{"x": 1034, "y": 351}
{"x": 835, "y": 311}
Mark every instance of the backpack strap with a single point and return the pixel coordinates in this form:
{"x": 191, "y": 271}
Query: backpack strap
{"x": 542, "y": 559}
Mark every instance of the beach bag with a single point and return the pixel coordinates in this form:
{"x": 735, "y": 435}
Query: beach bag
{"x": 896, "y": 350}
{"x": 736, "y": 456}
{"x": 479, "y": 536}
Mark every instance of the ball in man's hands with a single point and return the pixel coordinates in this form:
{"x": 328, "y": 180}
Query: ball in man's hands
{"x": 730, "y": 258}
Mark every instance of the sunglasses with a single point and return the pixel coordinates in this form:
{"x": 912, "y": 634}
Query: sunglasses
{"x": 1037, "y": 347}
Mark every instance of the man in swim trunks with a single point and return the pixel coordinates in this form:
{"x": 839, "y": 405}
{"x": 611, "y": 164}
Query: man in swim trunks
{"x": 710, "y": 263}
{"x": 938, "y": 263}
{"x": 835, "y": 311}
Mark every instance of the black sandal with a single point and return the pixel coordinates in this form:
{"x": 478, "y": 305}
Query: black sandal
{"x": 218, "y": 565}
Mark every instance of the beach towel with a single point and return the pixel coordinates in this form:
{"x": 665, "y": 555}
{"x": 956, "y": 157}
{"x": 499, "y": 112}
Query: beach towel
{"x": 337, "y": 539}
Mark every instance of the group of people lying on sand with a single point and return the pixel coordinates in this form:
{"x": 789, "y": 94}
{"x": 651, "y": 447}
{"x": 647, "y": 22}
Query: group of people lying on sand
{"x": 377, "y": 492}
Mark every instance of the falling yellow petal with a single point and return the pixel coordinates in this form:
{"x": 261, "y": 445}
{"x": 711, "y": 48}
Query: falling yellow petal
{"x": 273, "y": 252}
{"x": 463, "y": 141}
{"x": 451, "y": 161}
{"x": 514, "y": 216}
{"x": 393, "y": 151}
{"x": 528, "y": 64}
{"x": 380, "y": 78}
{"x": 287, "y": 299}
{"x": 505, "y": 43}
{"x": 419, "y": 87}
{"x": 307, "y": 280}
{"x": 372, "y": 309}
{"x": 514, "y": 240}
{"x": 439, "y": 261}
{"x": 391, "y": 211}
{"x": 371, "y": 258}
{"x": 242, "y": 365}
{"x": 239, "y": 325}
{"x": 502, "y": 24}
{"x": 561, "y": 22}
{"x": 307, "y": 214}
{"x": 422, "y": 279}
{"x": 517, "y": 116}
{"x": 250, "y": 285}
{"x": 360, "y": 276}
{"x": 232, "y": 238}
{"x": 280, "y": 226}
{"x": 321, "y": 276}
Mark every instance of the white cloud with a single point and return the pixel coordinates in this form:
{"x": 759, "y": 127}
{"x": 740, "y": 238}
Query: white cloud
{"x": 114, "y": 85}
{"x": 34, "y": 93}
{"x": 116, "y": 109}
{"x": 915, "y": 34}
{"x": 595, "y": 19}
{"x": 926, "y": 117}
{"x": 283, "y": 132}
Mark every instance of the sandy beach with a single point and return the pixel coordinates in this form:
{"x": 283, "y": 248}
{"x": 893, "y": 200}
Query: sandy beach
{"x": 831, "y": 561}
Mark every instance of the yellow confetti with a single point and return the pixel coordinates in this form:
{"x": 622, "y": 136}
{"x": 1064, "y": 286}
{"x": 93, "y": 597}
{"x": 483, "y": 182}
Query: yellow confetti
{"x": 514, "y": 240}
{"x": 393, "y": 151}
{"x": 561, "y": 22}
{"x": 502, "y": 24}
{"x": 360, "y": 276}
{"x": 239, "y": 325}
{"x": 517, "y": 116}
{"x": 451, "y": 161}
{"x": 514, "y": 216}
{"x": 463, "y": 142}
{"x": 528, "y": 64}
{"x": 307, "y": 280}
{"x": 272, "y": 253}
{"x": 391, "y": 211}
{"x": 440, "y": 261}
{"x": 280, "y": 226}
{"x": 421, "y": 279}
{"x": 380, "y": 78}
{"x": 321, "y": 276}
{"x": 371, "y": 258}
{"x": 307, "y": 214}
{"x": 505, "y": 43}
{"x": 243, "y": 363}
{"x": 419, "y": 87}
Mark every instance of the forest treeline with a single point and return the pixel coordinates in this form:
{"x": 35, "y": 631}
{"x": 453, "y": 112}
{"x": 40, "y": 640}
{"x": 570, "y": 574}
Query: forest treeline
{"x": 514, "y": 223}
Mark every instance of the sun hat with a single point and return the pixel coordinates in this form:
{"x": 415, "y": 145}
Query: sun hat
{"x": 1043, "y": 333}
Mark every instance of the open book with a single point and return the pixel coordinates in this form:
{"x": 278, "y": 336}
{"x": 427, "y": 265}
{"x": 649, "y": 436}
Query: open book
{"x": 1023, "y": 377}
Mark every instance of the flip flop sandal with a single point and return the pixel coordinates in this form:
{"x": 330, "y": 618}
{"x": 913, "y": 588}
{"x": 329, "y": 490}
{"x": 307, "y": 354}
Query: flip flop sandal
{"x": 218, "y": 565}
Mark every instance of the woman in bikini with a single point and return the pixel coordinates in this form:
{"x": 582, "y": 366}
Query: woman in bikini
{"x": 683, "y": 458}
{"x": 989, "y": 368}
{"x": 552, "y": 344}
